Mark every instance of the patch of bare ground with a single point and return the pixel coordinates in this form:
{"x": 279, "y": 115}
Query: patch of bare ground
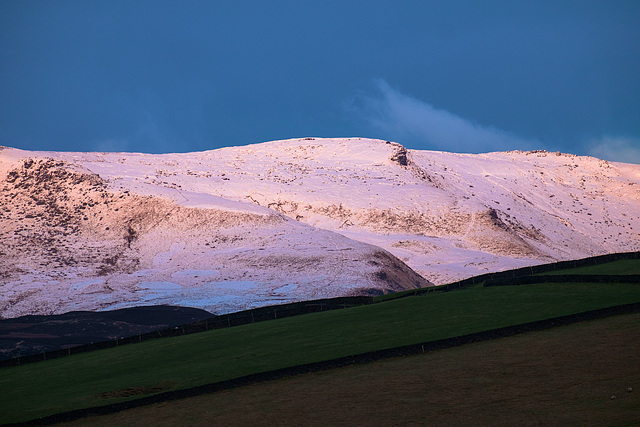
{"x": 396, "y": 274}
{"x": 135, "y": 391}
{"x": 585, "y": 374}
{"x": 419, "y": 223}
{"x": 397, "y": 221}
{"x": 493, "y": 234}
{"x": 417, "y": 246}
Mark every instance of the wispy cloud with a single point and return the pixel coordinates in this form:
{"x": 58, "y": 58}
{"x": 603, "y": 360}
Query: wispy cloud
{"x": 112, "y": 145}
{"x": 146, "y": 137}
{"x": 616, "y": 149}
{"x": 417, "y": 123}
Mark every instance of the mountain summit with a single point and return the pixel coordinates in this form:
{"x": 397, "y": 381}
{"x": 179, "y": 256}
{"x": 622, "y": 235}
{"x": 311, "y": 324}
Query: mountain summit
{"x": 290, "y": 220}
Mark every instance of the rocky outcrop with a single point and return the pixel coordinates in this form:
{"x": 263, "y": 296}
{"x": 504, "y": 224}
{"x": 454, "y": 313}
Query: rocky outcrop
{"x": 400, "y": 156}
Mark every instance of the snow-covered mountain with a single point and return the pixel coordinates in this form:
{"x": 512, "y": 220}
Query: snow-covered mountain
{"x": 289, "y": 220}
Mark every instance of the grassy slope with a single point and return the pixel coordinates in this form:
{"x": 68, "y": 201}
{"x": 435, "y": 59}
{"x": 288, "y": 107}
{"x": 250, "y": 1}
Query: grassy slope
{"x": 624, "y": 266}
{"x": 68, "y": 383}
{"x": 558, "y": 377}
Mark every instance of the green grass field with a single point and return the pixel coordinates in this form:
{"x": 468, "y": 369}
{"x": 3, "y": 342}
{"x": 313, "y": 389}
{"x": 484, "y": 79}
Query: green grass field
{"x": 623, "y": 266}
{"x": 103, "y": 377}
{"x": 558, "y": 377}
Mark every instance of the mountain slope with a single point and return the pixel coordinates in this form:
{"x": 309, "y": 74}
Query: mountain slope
{"x": 447, "y": 215}
{"x": 321, "y": 216}
{"x": 70, "y": 242}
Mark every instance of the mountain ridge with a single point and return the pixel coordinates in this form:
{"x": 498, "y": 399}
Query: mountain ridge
{"x": 280, "y": 215}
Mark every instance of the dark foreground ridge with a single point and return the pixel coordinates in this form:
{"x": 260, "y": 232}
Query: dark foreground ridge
{"x": 42, "y": 334}
{"x": 337, "y": 363}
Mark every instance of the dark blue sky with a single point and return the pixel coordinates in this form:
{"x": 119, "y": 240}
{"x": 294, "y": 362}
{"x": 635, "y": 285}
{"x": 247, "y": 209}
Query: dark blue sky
{"x": 470, "y": 76}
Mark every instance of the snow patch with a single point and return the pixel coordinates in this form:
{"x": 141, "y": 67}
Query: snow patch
{"x": 286, "y": 289}
{"x": 195, "y": 274}
{"x": 232, "y": 285}
{"x": 159, "y": 286}
{"x": 163, "y": 258}
{"x": 78, "y": 286}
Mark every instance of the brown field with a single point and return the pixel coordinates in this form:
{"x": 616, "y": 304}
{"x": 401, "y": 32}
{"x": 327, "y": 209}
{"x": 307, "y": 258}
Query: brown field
{"x": 558, "y": 377}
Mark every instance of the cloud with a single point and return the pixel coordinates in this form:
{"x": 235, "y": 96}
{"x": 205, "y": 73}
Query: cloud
{"x": 419, "y": 124}
{"x": 111, "y": 145}
{"x": 617, "y": 149}
{"x": 146, "y": 137}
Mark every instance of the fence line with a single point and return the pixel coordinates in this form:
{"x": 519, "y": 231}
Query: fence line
{"x": 572, "y": 278}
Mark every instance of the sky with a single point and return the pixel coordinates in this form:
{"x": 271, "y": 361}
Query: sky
{"x": 163, "y": 76}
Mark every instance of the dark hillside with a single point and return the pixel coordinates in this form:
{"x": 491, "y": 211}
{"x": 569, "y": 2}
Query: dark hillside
{"x": 36, "y": 334}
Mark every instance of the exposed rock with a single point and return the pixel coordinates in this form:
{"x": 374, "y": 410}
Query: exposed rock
{"x": 400, "y": 156}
